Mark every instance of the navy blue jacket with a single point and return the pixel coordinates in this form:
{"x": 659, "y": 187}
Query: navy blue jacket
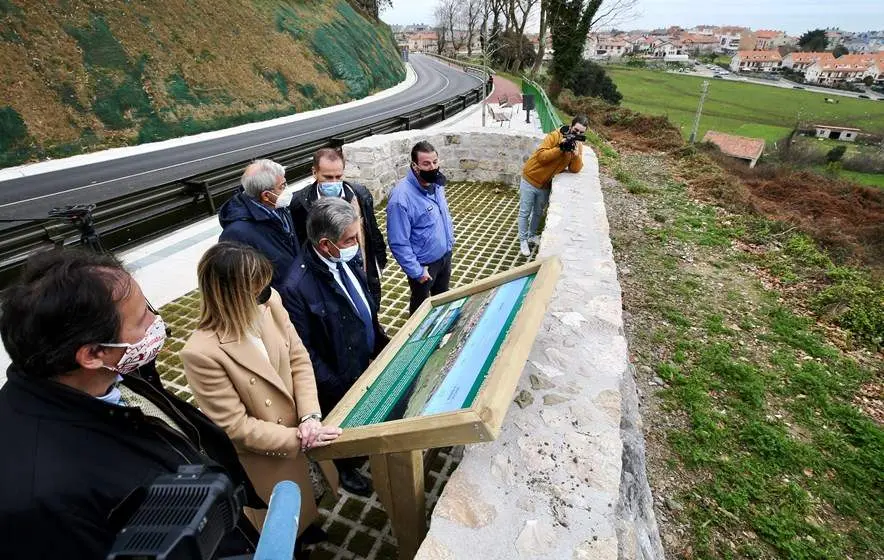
{"x": 328, "y": 325}
{"x": 245, "y": 223}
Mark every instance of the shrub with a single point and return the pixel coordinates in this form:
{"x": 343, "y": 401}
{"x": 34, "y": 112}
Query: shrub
{"x": 590, "y": 79}
{"x": 12, "y": 128}
{"x": 835, "y": 154}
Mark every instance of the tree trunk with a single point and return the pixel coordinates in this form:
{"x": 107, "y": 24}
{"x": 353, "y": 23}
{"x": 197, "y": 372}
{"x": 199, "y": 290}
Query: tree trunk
{"x": 541, "y": 43}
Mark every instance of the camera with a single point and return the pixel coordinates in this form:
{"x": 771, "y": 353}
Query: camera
{"x": 185, "y": 515}
{"x": 569, "y": 143}
{"x": 182, "y": 516}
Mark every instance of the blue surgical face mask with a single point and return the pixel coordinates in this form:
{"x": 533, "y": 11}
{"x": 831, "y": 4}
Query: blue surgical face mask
{"x": 347, "y": 253}
{"x": 331, "y": 188}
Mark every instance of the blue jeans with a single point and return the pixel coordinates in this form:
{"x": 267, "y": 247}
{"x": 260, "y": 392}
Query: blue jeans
{"x": 532, "y": 204}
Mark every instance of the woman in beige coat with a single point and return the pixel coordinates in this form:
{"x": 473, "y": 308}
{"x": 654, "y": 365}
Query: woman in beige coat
{"x": 251, "y": 374}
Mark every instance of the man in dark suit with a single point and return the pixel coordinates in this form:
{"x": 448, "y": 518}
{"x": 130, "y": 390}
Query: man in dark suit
{"x": 328, "y": 301}
{"x": 82, "y": 433}
{"x": 328, "y": 175}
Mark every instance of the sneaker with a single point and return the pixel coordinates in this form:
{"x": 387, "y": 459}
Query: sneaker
{"x": 523, "y": 247}
{"x": 534, "y": 240}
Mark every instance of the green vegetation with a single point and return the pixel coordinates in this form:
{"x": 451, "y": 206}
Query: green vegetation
{"x": 132, "y": 77}
{"x": 870, "y": 179}
{"x": 357, "y": 54}
{"x": 765, "y": 448}
{"x": 738, "y": 108}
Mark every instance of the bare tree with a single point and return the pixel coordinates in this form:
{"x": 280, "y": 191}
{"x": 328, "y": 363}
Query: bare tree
{"x": 541, "y": 38}
{"x": 518, "y": 13}
{"x": 473, "y": 9}
{"x": 615, "y": 12}
{"x": 441, "y": 17}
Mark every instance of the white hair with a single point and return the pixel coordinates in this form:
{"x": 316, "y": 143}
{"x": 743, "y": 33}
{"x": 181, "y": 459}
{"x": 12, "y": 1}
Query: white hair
{"x": 260, "y": 176}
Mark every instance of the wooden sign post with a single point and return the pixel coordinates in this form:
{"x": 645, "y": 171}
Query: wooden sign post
{"x": 447, "y": 378}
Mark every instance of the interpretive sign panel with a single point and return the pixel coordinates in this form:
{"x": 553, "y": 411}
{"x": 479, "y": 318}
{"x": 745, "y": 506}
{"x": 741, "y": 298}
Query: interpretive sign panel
{"x": 448, "y": 376}
{"x": 442, "y": 364}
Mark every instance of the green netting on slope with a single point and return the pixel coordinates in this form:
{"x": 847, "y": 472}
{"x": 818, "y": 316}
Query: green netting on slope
{"x": 357, "y": 53}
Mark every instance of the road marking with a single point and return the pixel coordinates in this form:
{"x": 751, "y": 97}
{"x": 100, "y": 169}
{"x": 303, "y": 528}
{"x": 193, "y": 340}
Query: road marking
{"x": 99, "y": 183}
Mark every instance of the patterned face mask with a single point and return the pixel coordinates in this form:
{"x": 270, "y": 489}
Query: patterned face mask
{"x": 141, "y": 352}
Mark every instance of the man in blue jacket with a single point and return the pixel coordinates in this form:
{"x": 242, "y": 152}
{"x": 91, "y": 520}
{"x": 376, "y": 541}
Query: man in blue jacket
{"x": 328, "y": 299}
{"x": 259, "y": 217}
{"x": 419, "y": 227}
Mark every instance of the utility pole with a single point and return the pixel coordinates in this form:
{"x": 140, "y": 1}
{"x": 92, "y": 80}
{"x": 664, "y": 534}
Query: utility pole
{"x": 705, "y": 89}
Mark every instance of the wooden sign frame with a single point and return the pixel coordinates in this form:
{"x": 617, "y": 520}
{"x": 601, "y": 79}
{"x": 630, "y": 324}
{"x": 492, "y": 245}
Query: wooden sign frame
{"x": 481, "y": 421}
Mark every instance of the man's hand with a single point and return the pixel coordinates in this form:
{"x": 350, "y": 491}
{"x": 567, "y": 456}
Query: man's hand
{"x": 314, "y": 434}
{"x": 425, "y": 277}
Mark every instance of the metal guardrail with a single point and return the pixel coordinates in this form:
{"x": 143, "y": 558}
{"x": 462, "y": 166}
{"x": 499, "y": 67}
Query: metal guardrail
{"x": 135, "y": 217}
{"x": 549, "y": 117}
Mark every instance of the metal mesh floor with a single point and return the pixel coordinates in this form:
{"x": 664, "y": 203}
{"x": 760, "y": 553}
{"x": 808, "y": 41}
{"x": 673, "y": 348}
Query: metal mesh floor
{"x": 486, "y": 243}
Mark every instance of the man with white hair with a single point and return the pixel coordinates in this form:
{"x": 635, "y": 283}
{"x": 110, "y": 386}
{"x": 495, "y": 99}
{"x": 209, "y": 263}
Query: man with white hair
{"x": 259, "y": 217}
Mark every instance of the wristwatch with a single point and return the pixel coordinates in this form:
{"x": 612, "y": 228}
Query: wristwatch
{"x": 312, "y": 416}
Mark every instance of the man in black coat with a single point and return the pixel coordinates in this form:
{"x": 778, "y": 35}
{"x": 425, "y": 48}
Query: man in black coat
{"x": 328, "y": 175}
{"x": 259, "y": 216}
{"x": 80, "y": 432}
{"x": 328, "y": 301}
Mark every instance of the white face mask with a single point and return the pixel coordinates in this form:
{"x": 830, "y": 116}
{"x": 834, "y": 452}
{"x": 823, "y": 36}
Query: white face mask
{"x": 347, "y": 253}
{"x": 283, "y": 200}
{"x": 141, "y": 352}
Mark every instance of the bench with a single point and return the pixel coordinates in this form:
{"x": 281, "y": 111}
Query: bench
{"x": 500, "y": 115}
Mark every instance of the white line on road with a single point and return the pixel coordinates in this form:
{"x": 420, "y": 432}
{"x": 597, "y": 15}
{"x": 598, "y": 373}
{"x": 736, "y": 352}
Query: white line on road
{"x": 99, "y": 183}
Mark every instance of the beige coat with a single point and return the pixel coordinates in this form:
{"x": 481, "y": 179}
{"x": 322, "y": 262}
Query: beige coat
{"x": 259, "y": 403}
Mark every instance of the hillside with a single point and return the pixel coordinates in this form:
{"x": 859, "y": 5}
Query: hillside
{"x": 88, "y": 75}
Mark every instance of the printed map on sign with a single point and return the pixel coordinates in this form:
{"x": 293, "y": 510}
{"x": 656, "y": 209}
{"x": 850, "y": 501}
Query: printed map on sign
{"x": 442, "y": 365}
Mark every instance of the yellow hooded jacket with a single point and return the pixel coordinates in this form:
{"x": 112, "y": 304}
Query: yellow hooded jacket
{"x": 548, "y": 160}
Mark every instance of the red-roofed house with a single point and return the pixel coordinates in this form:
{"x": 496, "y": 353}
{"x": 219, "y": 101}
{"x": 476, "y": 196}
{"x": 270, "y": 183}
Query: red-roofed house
{"x": 801, "y": 61}
{"x": 692, "y": 42}
{"x": 423, "y": 41}
{"x": 740, "y": 147}
{"x": 756, "y": 61}
{"x": 848, "y": 68}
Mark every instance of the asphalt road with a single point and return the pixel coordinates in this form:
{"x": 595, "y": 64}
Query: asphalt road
{"x": 32, "y": 197}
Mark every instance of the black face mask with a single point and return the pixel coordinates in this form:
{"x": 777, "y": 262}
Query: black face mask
{"x": 264, "y": 296}
{"x": 429, "y": 175}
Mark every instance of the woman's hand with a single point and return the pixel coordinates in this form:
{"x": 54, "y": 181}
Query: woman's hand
{"x": 314, "y": 434}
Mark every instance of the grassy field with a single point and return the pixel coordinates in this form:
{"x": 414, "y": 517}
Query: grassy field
{"x": 760, "y": 441}
{"x": 870, "y": 179}
{"x": 739, "y": 108}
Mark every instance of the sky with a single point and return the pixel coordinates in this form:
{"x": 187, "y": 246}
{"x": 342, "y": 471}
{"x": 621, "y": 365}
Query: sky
{"x": 792, "y": 16}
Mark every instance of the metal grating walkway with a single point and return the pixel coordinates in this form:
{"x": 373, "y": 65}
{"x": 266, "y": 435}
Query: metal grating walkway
{"x": 485, "y": 229}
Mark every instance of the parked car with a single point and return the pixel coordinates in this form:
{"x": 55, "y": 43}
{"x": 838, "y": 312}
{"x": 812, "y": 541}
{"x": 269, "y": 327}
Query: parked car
{"x": 861, "y": 96}
{"x": 797, "y": 87}
{"x": 718, "y": 77}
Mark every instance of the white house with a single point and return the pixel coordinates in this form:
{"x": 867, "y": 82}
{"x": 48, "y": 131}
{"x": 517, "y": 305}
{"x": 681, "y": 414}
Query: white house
{"x": 836, "y": 132}
{"x": 756, "y": 61}
{"x": 846, "y": 69}
{"x": 663, "y": 49}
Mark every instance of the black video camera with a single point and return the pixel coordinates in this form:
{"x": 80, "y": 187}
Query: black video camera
{"x": 569, "y": 143}
{"x": 183, "y": 516}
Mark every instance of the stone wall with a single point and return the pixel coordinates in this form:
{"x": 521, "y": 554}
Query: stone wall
{"x": 566, "y": 478}
{"x": 378, "y": 162}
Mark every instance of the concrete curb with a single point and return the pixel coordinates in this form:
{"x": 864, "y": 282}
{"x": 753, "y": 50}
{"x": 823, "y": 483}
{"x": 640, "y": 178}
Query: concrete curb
{"x": 116, "y": 153}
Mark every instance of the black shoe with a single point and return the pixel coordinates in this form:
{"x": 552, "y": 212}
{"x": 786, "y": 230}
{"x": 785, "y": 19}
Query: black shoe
{"x": 354, "y": 482}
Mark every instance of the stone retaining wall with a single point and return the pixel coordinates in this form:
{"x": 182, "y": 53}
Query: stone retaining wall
{"x": 378, "y": 162}
{"x": 566, "y": 478}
